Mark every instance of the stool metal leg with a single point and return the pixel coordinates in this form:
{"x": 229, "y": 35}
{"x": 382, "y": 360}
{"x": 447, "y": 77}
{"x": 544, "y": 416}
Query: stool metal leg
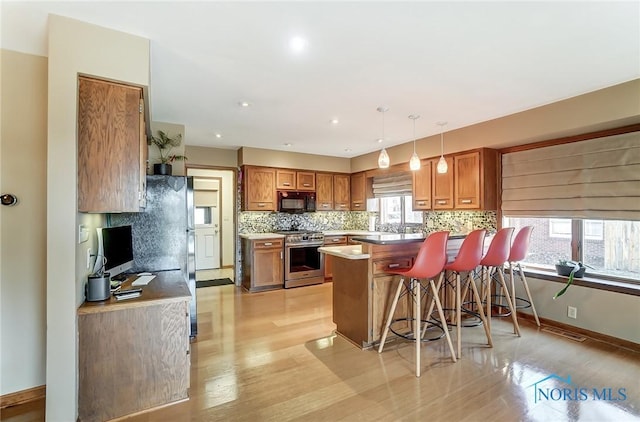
{"x": 390, "y": 317}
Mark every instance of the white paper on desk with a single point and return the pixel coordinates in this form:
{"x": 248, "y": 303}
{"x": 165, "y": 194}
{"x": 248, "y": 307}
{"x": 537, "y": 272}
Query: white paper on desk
{"x": 143, "y": 280}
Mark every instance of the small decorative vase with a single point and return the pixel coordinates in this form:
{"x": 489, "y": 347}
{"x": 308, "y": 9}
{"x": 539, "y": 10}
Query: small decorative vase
{"x": 162, "y": 169}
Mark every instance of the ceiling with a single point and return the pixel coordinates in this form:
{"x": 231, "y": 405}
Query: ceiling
{"x": 459, "y": 62}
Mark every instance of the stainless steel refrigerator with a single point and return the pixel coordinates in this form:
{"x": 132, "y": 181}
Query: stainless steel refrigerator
{"x": 163, "y": 234}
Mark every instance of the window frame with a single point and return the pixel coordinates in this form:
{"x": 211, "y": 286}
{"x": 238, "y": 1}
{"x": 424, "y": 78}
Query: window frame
{"x": 405, "y": 201}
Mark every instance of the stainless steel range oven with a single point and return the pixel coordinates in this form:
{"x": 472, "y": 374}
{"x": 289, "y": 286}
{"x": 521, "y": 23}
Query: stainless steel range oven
{"x": 303, "y": 264}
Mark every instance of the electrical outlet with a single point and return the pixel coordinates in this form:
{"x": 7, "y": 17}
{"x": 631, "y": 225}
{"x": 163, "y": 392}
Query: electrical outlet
{"x": 572, "y": 312}
{"x": 89, "y": 253}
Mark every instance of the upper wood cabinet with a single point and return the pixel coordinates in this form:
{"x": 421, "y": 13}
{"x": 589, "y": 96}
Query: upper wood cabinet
{"x": 475, "y": 179}
{"x": 442, "y": 185}
{"x": 341, "y": 192}
{"x": 358, "y": 191}
{"x": 112, "y": 147}
{"x": 295, "y": 180}
{"x": 332, "y": 192}
{"x": 259, "y": 186}
{"x": 324, "y": 191}
{"x": 422, "y": 187}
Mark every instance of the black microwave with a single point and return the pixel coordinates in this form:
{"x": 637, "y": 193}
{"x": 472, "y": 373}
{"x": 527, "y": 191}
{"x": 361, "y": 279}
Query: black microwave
{"x": 296, "y": 202}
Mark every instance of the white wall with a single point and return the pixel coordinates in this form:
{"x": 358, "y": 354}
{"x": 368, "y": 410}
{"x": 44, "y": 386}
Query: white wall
{"x": 74, "y": 48}
{"x": 23, "y": 166}
{"x": 227, "y": 200}
{"x": 609, "y": 313}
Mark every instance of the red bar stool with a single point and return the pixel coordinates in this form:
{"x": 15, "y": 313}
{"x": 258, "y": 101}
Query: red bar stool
{"x": 428, "y": 263}
{"x": 493, "y": 263}
{"x": 467, "y": 261}
{"x": 519, "y": 250}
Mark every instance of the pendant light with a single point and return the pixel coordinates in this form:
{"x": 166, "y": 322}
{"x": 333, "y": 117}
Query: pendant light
{"x": 442, "y": 166}
{"x": 383, "y": 158}
{"x": 414, "y": 162}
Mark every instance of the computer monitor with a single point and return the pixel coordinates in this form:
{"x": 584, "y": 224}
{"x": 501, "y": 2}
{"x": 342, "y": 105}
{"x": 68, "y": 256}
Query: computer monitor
{"x": 115, "y": 250}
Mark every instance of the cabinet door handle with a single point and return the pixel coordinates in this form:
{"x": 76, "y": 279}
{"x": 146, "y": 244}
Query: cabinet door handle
{"x": 420, "y": 202}
{"x": 286, "y": 184}
{"x": 442, "y": 202}
{"x": 306, "y": 185}
{"x": 268, "y": 243}
{"x": 466, "y": 201}
{"x": 335, "y": 240}
{"x": 356, "y": 205}
{"x": 261, "y": 205}
{"x": 393, "y": 265}
{"x": 281, "y": 256}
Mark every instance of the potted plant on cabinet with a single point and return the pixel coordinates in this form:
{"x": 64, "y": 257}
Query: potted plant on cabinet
{"x": 571, "y": 269}
{"x": 165, "y": 144}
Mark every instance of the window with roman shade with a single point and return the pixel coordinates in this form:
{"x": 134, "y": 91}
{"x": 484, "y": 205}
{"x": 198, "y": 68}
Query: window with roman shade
{"x": 396, "y": 184}
{"x": 596, "y": 178}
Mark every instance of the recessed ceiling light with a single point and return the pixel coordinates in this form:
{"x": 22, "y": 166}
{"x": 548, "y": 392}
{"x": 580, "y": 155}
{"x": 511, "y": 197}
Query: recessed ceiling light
{"x": 379, "y": 140}
{"x": 347, "y": 150}
{"x": 288, "y": 144}
{"x": 244, "y": 104}
{"x": 218, "y": 136}
{"x": 297, "y": 44}
{"x": 335, "y": 121}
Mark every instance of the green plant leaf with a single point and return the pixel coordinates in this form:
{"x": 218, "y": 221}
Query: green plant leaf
{"x": 576, "y": 267}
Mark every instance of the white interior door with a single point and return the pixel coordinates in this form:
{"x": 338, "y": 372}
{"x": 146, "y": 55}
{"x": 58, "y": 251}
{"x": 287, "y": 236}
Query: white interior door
{"x": 207, "y": 237}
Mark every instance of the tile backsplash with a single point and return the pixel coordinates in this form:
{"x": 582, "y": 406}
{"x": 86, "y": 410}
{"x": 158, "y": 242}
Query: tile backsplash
{"x": 454, "y": 221}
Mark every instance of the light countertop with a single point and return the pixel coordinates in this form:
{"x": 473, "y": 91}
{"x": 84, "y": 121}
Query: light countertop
{"x": 346, "y": 251}
{"x": 258, "y": 236}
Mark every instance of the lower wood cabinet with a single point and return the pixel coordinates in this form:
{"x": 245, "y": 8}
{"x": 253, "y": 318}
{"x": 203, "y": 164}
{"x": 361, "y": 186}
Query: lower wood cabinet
{"x": 133, "y": 355}
{"x": 262, "y": 264}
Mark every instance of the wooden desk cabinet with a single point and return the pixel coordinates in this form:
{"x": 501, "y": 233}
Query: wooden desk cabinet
{"x": 134, "y": 354}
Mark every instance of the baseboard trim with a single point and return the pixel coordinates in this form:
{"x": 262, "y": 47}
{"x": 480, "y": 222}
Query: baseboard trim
{"x": 21, "y": 397}
{"x": 584, "y": 332}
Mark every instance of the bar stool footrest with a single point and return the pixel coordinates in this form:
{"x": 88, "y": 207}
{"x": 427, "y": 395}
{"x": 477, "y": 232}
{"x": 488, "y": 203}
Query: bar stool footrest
{"x": 409, "y": 334}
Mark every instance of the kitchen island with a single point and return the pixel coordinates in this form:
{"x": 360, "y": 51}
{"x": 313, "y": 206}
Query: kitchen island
{"x": 362, "y": 284}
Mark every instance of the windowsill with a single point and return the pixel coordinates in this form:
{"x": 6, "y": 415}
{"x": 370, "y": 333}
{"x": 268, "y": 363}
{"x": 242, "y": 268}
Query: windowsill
{"x": 592, "y": 282}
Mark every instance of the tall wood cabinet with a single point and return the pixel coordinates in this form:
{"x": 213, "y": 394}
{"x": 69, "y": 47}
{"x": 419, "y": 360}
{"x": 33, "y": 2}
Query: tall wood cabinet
{"x": 442, "y": 185}
{"x": 112, "y": 147}
{"x": 422, "y": 187}
{"x": 358, "y": 192}
{"x": 341, "y": 192}
{"x": 324, "y": 191}
{"x": 332, "y": 192}
{"x": 259, "y": 187}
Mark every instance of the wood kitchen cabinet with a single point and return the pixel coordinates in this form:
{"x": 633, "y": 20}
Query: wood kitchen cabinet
{"x": 341, "y": 192}
{"x": 442, "y": 185}
{"x": 112, "y": 147}
{"x": 422, "y": 187}
{"x": 475, "y": 180}
{"x": 134, "y": 355}
{"x": 358, "y": 192}
{"x": 259, "y": 186}
{"x": 324, "y": 191}
{"x": 295, "y": 180}
{"x": 262, "y": 264}
{"x": 332, "y": 192}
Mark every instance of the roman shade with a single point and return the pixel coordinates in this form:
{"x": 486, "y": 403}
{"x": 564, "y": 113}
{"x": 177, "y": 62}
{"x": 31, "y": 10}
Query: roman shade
{"x": 396, "y": 184}
{"x": 596, "y": 178}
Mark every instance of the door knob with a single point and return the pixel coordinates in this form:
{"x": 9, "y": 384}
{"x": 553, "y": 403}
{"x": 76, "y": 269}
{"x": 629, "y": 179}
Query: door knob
{"x": 8, "y": 199}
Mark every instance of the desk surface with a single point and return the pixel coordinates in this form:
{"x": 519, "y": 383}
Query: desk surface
{"x": 167, "y": 286}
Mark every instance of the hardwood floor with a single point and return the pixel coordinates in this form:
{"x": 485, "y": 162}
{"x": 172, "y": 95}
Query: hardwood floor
{"x": 272, "y": 356}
